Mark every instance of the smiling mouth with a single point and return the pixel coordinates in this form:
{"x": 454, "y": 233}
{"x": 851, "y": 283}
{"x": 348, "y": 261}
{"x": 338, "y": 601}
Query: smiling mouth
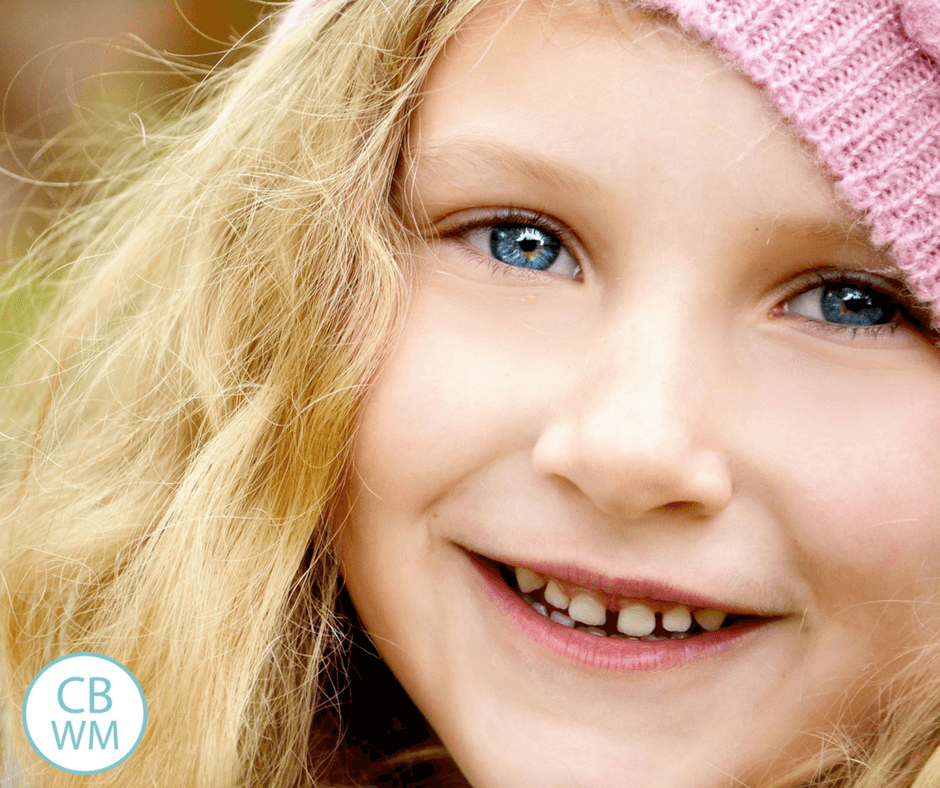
{"x": 604, "y": 615}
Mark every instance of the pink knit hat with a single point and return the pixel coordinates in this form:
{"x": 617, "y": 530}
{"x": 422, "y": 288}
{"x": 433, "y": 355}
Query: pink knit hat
{"x": 860, "y": 79}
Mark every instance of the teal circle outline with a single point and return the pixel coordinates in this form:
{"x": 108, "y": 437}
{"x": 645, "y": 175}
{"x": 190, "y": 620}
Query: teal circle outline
{"x": 133, "y": 678}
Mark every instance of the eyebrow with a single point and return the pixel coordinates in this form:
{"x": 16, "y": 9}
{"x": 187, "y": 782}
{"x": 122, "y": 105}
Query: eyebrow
{"x": 819, "y": 229}
{"x": 854, "y": 232}
{"x": 453, "y": 158}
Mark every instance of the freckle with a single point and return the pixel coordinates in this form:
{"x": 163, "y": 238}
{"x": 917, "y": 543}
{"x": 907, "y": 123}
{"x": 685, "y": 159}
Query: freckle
{"x": 531, "y": 299}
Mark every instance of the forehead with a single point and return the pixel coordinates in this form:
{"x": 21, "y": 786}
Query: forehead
{"x": 572, "y": 92}
{"x": 543, "y": 72}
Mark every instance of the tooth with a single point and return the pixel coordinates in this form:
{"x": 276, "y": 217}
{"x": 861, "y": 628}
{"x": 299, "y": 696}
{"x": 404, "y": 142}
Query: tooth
{"x": 710, "y": 620}
{"x": 594, "y": 631}
{"x": 653, "y": 637}
{"x": 636, "y": 620}
{"x": 555, "y": 596}
{"x": 528, "y": 580}
{"x": 561, "y": 618}
{"x": 537, "y": 606}
{"x": 587, "y": 608}
{"x": 679, "y": 619}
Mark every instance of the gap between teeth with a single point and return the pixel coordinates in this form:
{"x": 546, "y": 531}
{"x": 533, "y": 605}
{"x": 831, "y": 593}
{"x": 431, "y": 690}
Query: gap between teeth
{"x": 636, "y": 620}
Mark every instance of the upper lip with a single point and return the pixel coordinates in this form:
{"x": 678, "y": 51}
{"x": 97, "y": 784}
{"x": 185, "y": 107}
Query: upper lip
{"x": 634, "y": 587}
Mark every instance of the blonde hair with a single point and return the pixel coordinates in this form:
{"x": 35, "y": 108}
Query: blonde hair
{"x": 180, "y": 436}
{"x": 224, "y": 300}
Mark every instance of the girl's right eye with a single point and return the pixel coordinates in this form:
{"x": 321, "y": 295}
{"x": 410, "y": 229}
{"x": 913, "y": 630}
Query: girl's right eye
{"x": 524, "y": 245}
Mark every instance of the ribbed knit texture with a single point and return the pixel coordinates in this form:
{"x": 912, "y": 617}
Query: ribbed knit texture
{"x": 856, "y": 79}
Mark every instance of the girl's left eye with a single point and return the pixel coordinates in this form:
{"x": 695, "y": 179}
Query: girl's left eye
{"x": 857, "y": 304}
{"x": 522, "y": 243}
{"x": 846, "y": 304}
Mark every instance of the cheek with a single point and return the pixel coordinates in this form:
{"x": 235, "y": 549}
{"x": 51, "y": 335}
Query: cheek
{"x": 436, "y": 413}
{"x": 470, "y": 381}
{"x": 855, "y": 465}
{"x": 423, "y": 419}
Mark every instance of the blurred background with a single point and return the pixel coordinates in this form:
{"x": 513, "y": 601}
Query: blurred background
{"x": 98, "y": 60}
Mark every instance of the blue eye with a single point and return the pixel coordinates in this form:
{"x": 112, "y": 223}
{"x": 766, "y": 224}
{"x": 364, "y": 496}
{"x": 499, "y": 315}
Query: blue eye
{"x": 514, "y": 240}
{"x": 524, "y": 246}
{"x": 856, "y": 306}
{"x": 846, "y": 304}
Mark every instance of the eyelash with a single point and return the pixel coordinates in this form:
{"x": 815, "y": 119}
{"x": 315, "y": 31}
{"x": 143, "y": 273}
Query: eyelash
{"x": 908, "y": 308}
{"x": 512, "y": 216}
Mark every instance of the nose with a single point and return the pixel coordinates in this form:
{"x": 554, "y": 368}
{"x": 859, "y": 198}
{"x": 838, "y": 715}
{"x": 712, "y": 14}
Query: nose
{"x": 638, "y": 432}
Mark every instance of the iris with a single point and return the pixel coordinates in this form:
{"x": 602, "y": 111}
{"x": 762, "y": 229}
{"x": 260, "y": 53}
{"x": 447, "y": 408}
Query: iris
{"x": 524, "y": 246}
{"x": 854, "y": 306}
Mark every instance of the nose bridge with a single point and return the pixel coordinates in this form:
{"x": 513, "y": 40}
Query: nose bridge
{"x": 643, "y": 389}
{"x": 638, "y": 432}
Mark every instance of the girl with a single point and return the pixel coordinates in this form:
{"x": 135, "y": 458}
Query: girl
{"x": 505, "y": 393}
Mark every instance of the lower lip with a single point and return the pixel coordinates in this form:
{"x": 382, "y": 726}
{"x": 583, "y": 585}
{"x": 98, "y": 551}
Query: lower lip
{"x": 611, "y": 654}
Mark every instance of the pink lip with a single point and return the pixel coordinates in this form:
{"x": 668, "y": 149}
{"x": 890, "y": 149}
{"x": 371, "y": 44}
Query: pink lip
{"x": 612, "y": 654}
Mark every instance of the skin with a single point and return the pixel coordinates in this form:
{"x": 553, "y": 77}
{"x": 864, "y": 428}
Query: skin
{"x": 677, "y": 411}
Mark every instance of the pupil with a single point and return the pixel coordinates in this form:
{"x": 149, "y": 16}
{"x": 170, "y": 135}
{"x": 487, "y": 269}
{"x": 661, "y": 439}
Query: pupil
{"x": 853, "y": 306}
{"x": 524, "y": 246}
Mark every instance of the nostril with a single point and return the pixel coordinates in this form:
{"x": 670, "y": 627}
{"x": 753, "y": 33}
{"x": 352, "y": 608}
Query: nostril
{"x": 678, "y": 506}
{"x": 689, "y": 509}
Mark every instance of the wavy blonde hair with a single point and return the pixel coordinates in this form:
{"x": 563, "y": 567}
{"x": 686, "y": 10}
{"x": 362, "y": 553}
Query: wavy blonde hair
{"x": 178, "y": 438}
{"x": 179, "y": 435}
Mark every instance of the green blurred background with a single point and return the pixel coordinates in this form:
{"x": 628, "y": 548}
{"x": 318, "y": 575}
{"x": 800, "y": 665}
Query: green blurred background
{"x": 96, "y": 61}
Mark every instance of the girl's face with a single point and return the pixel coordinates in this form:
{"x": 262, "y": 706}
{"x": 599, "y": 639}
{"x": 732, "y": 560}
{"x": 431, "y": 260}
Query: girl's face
{"x": 652, "y": 358}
